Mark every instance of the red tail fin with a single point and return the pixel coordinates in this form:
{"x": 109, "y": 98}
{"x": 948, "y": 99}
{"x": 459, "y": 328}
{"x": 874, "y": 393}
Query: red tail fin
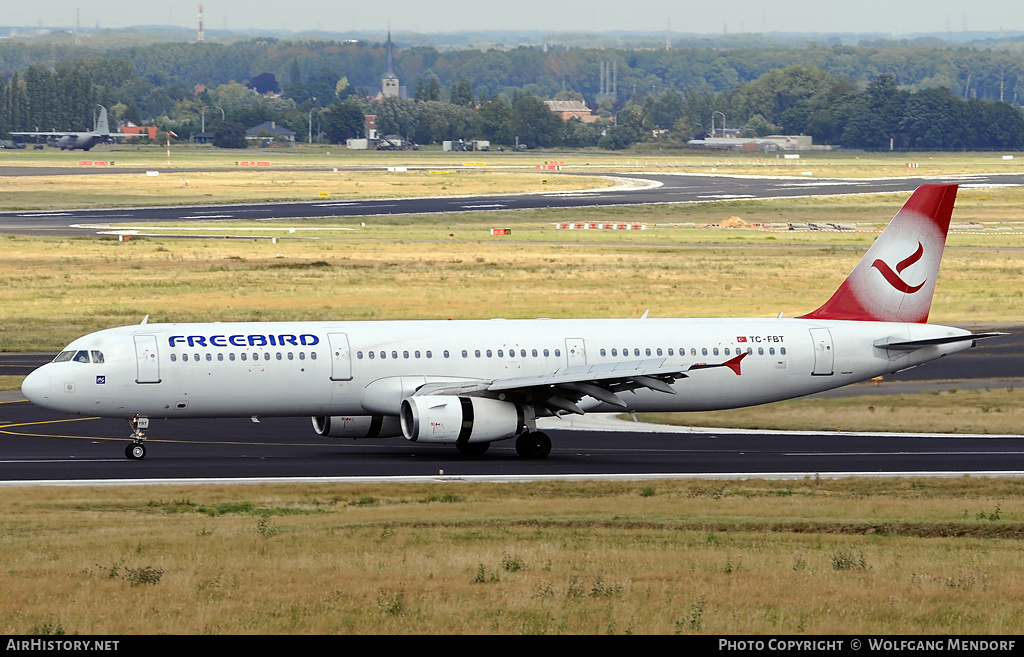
{"x": 895, "y": 280}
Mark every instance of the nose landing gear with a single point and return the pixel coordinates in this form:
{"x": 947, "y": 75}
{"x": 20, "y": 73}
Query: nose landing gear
{"x": 136, "y": 450}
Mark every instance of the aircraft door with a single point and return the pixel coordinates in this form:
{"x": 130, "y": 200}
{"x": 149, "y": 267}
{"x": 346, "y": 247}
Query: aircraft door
{"x": 824, "y": 358}
{"x": 147, "y": 362}
{"x": 575, "y": 351}
{"x": 341, "y": 358}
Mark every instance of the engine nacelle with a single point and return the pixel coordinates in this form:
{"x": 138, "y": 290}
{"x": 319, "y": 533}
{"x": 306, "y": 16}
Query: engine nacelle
{"x": 446, "y": 419}
{"x": 358, "y": 426}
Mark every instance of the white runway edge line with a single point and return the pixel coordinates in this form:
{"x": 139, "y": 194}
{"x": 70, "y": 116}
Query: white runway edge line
{"x": 611, "y": 422}
{"x": 505, "y": 479}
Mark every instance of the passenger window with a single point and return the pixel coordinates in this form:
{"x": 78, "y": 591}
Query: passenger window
{"x": 546, "y": 353}
{"x": 771, "y": 350}
{"x": 209, "y": 357}
{"x": 647, "y": 351}
{"x": 477, "y": 353}
{"x": 231, "y": 356}
{"x": 715, "y": 351}
{"x": 244, "y": 356}
{"x": 750, "y": 351}
{"x": 290, "y": 355}
{"x": 693, "y": 351}
{"x": 446, "y": 353}
{"x": 220, "y": 356}
{"x": 359, "y": 356}
{"x": 405, "y": 354}
{"x": 383, "y": 354}
{"x": 704, "y": 351}
{"x": 615, "y": 352}
{"x": 278, "y": 355}
{"x": 184, "y": 357}
{"x": 760, "y": 351}
{"x": 727, "y": 351}
{"x": 522, "y": 353}
{"x": 670, "y": 351}
{"x": 602, "y": 351}
{"x": 312, "y": 355}
{"x": 501, "y": 353}
{"x": 782, "y": 350}
{"x": 97, "y": 356}
{"x": 429, "y": 354}
{"x": 302, "y": 355}
{"x": 394, "y": 354}
{"x": 416, "y": 354}
{"x": 174, "y": 358}
{"x": 658, "y": 351}
{"x": 488, "y": 352}
{"x": 465, "y": 354}
{"x": 558, "y": 352}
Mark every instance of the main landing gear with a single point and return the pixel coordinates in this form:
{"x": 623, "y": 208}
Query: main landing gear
{"x": 136, "y": 450}
{"x": 533, "y": 445}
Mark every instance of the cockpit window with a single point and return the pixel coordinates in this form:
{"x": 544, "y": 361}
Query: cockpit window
{"x": 64, "y": 356}
{"x": 82, "y": 356}
{"x": 97, "y": 356}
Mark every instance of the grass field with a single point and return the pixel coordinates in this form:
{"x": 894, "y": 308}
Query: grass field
{"x": 812, "y": 556}
{"x": 652, "y": 156}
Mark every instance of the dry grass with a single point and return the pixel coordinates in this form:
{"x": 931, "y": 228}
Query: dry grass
{"x": 202, "y": 187}
{"x": 811, "y": 556}
{"x": 52, "y": 290}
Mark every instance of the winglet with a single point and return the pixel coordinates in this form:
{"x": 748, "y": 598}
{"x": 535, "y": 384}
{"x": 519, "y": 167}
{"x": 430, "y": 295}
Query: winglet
{"x": 895, "y": 280}
{"x": 734, "y": 363}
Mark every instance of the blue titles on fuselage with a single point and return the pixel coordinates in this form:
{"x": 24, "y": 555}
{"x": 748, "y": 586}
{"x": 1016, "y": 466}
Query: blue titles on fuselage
{"x": 304, "y": 340}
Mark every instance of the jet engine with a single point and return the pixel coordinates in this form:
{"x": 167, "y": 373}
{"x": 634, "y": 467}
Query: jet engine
{"x": 447, "y": 419}
{"x": 357, "y": 426}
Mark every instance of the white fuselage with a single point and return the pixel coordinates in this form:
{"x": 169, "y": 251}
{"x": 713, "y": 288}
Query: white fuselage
{"x": 364, "y": 368}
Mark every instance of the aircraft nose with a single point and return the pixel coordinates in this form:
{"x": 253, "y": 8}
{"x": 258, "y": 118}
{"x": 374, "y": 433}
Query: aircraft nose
{"x": 36, "y": 387}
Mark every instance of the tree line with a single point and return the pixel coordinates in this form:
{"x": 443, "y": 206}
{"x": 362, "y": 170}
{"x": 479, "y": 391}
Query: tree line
{"x": 468, "y": 95}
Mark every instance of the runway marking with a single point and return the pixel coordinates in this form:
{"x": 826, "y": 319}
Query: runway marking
{"x": 29, "y": 424}
{"x": 485, "y": 207}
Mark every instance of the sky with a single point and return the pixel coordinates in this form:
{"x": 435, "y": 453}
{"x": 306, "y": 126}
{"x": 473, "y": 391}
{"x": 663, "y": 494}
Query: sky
{"x": 894, "y": 17}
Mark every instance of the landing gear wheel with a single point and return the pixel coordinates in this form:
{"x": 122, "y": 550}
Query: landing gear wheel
{"x": 533, "y": 445}
{"x": 135, "y": 451}
{"x": 472, "y": 449}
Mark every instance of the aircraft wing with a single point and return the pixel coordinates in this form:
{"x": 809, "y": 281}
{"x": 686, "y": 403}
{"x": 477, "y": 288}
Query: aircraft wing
{"x": 47, "y": 134}
{"x": 561, "y": 390}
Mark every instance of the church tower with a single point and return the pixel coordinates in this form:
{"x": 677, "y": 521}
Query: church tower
{"x": 389, "y": 81}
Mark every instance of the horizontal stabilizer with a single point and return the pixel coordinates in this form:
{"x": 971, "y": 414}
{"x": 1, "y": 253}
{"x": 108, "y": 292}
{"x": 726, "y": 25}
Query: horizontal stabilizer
{"x": 910, "y": 345}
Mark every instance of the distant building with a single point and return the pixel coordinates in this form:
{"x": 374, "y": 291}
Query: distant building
{"x": 571, "y": 109}
{"x": 144, "y": 130}
{"x": 770, "y": 144}
{"x": 269, "y": 129}
{"x": 389, "y": 87}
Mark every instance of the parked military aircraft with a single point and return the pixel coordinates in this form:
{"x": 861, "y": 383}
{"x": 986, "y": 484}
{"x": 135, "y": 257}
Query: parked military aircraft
{"x": 71, "y": 140}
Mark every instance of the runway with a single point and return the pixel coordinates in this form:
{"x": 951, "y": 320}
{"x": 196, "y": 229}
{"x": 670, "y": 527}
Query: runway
{"x": 646, "y": 188}
{"x": 36, "y": 445}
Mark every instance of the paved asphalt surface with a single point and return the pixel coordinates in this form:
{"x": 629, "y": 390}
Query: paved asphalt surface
{"x": 669, "y": 188}
{"x": 40, "y": 445}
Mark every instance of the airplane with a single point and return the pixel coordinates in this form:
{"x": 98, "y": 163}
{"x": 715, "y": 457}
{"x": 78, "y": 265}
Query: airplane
{"x": 72, "y": 140}
{"x": 469, "y": 383}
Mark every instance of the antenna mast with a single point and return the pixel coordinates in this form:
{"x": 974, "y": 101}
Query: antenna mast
{"x": 199, "y": 38}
